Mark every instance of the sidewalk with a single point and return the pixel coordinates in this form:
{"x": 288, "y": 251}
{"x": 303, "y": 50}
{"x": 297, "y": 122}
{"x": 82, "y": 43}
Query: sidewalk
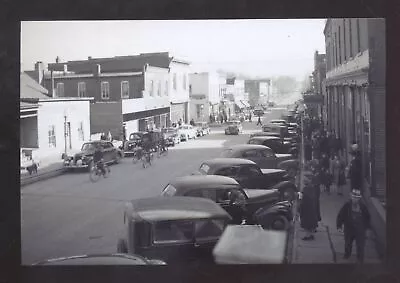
{"x": 328, "y": 246}
{"x": 44, "y": 172}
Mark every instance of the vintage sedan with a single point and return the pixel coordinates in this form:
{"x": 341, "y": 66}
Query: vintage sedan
{"x": 264, "y": 156}
{"x": 250, "y": 207}
{"x": 101, "y": 259}
{"x": 171, "y": 136}
{"x": 202, "y": 128}
{"x": 275, "y": 143}
{"x": 280, "y": 122}
{"x": 187, "y": 132}
{"x": 84, "y": 159}
{"x": 174, "y": 230}
{"x": 249, "y": 175}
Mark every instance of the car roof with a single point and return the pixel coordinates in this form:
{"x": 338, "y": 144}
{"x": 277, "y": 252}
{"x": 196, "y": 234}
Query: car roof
{"x": 265, "y": 138}
{"x": 228, "y": 161}
{"x": 188, "y": 183}
{"x": 241, "y": 147}
{"x": 176, "y": 208}
{"x": 96, "y": 259}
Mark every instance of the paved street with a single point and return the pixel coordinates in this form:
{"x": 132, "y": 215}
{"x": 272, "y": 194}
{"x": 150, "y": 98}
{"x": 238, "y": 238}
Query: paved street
{"x": 68, "y": 215}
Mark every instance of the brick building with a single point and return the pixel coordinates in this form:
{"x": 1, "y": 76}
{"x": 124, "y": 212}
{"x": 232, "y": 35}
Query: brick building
{"x": 129, "y": 94}
{"x": 355, "y": 97}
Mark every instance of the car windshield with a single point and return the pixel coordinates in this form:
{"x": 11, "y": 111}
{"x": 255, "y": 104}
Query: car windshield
{"x": 255, "y": 141}
{"x": 167, "y": 232}
{"x": 210, "y": 229}
{"x": 227, "y": 153}
{"x": 204, "y": 168}
{"x": 88, "y": 147}
{"x": 169, "y": 191}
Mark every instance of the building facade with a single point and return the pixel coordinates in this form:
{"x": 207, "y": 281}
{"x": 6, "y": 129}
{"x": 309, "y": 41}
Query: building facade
{"x": 129, "y": 94}
{"x": 355, "y": 93}
{"x": 49, "y": 126}
{"x": 204, "y": 91}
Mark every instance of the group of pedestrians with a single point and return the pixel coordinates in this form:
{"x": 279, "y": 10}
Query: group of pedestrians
{"x": 325, "y": 170}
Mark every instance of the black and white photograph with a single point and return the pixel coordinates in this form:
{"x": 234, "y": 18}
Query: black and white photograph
{"x": 164, "y": 142}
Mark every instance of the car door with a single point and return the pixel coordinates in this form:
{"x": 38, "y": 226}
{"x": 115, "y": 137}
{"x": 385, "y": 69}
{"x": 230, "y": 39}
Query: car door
{"x": 249, "y": 176}
{"x": 269, "y": 160}
{"x": 224, "y": 200}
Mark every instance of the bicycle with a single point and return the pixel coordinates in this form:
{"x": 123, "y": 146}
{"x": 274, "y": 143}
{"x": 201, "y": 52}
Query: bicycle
{"x": 162, "y": 150}
{"x": 96, "y": 172}
{"x": 137, "y": 155}
{"x": 147, "y": 158}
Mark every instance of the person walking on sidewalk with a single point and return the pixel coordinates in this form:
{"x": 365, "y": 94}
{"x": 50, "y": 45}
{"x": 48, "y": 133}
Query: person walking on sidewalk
{"x": 259, "y": 121}
{"x": 308, "y": 209}
{"x": 316, "y": 183}
{"x": 325, "y": 174}
{"x": 355, "y": 218}
{"x": 355, "y": 170}
{"x": 337, "y": 170}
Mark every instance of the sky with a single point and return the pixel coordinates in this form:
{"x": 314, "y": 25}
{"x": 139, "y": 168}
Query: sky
{"x": 257, "y": 48}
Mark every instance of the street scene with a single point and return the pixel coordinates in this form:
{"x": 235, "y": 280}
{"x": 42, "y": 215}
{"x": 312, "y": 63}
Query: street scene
{"x": 160, "y": 158}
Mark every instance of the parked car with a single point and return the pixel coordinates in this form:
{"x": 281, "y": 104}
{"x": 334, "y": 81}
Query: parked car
{"x": 249, "y": 175}
{"x": 258, "y": 112}
{"x": 175, "y": 230}
{"x": 171, "y": 136}
{"x": 278, "y": 122}
{"x": 275, "y": 143}
{"x": 203, "y": 128}
{"x": 187, "y": 132}
{"x": 251, "y": 207}
{"x": 101, "y": 259}
{"x": 262, "y": 155}
{"x": 136, "y": 140}
{"x": 84, "y": 159}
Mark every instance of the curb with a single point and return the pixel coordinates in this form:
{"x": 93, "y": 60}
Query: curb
{"x": 41, "y": 177}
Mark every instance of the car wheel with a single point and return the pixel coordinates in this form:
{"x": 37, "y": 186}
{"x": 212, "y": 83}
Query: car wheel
{"x": 122, "y": 246}
{"x": 279, "y": 223}
{"x": 117, "y": 158}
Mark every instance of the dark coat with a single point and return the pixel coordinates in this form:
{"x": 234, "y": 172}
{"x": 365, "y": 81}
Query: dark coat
{"x": 355, "y": 173}
{"x": 344, "y": 218}
{"x": 308, "y": 210}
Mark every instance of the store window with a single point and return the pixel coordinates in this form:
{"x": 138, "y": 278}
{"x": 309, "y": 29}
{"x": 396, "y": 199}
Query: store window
{"x": 60, "y": 90}
{"x": 125, "y": 89}
{"x": 81, "y": 89}
{"x": 105, "y": 90}
{"x": 52, "y": 136}
{"x": 159, "y": 88}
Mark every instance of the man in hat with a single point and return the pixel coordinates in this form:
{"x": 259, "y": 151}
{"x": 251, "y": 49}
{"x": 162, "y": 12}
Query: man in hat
{"x": 308, "y": 208}
{"x": 355, "y": 169}
{"x": 355, "y": 218}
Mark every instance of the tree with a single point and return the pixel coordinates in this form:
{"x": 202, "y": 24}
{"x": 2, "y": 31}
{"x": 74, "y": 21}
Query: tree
{"x": 285, "y": 84}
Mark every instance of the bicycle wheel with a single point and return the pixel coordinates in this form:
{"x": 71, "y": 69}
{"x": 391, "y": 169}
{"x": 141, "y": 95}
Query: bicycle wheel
{"x": 106, "y": 171}
{"x": 135, "y": 158}
{"x": 94, "y": 174}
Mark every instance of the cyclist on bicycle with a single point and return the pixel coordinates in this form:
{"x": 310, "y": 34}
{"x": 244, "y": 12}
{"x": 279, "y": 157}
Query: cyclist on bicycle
{"x": 147, "y": 146}
{"x": 162, "y": 143}
{"x": 98, "y": 159}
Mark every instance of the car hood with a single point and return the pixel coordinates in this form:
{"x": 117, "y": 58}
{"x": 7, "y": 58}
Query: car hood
{"x": 84, "y": 153}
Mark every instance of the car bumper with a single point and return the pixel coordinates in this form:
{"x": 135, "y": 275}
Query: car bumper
{"x": 75, "y": 166}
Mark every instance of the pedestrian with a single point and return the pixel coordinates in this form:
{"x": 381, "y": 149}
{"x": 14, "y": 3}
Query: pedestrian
{"x": 192, "y": 122}
{"x": 355, "y": 218}
{"x": 337, "y": 170}
{"x": 259, "y": 121}
{"x": 180, "y": 122}
{"x": 307, "y": 150}
{"x": 308, "y": 209}
{"x": 355, "y": 170}
{"x": 325, "y": 173}
{"x": 316, "y": 183}
{"x": 250, "y": 117}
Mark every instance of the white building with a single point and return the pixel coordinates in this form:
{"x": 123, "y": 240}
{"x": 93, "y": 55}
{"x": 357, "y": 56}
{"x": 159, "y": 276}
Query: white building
{"x": 204, "y": 96}
{"x": 51, "y": 126}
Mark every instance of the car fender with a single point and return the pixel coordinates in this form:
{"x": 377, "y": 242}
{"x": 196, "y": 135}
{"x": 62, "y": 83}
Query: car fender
{"x": 268, "y": 211}
{"x": 283, "y": 185}
{"x": 286, "y": 164}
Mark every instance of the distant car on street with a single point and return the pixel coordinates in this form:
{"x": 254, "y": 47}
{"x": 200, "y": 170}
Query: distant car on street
{"x": 84, "y": 159}
{"x": 187, "y": 132}
{"x": 249, "y": 175}
{"x": 173, "y": 229}
{"x": 279, "y": 122}
{"x": 202, "y": 128}
{"x": 262, "y": 207}
{"x": 234, "y": 127}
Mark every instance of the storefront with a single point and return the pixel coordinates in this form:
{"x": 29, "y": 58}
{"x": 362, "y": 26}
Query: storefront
{"x": 178, "y": 112}
{"x": 149, "y": 119}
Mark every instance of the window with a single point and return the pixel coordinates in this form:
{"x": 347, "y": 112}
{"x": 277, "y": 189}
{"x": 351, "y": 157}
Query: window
{"x": 195, "y": 193}
{"x": 105, "y": 90}
{"x": 344, "y": 40}
{"x": 267, "y": 153}
{"x": 351, "y": 39}
{"x": 151, "y": 88}
{"x": 184, "y": 81}
{"x": 60, "y": 90}
{"x": 209, "y": 229}
{"x": 358, "y": 36}
{"x": 125, "y": 89}
{"x": 81, "y": 89}
{"x": 166, "y": 88}
{"x": 335, "y": 50}
{"x": 52, "y": 136}
{"x": 190, "y": 89}
{"x": 255, "y": 141}
{"x": 169, "y": 191}
{"x": 159, "y": 88}
{"x": 340, "y": 48}
{"x": 198, "y": 111}
{"x": 174, "y": 81}
{"x": 205, "y": 168}
{"x": 249, "y": 171}
{"x": 81, "y": 132}
{"x": 228, "y": 171}
{"x": 250, "y": 153}
{"x": 166, "y": 232}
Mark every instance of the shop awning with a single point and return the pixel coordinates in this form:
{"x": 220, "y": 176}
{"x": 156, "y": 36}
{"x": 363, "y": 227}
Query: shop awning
{"x": 245, "y": 103}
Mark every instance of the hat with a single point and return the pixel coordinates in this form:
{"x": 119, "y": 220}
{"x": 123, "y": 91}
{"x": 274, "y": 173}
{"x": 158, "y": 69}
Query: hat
{"x": 356, "y": 194}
